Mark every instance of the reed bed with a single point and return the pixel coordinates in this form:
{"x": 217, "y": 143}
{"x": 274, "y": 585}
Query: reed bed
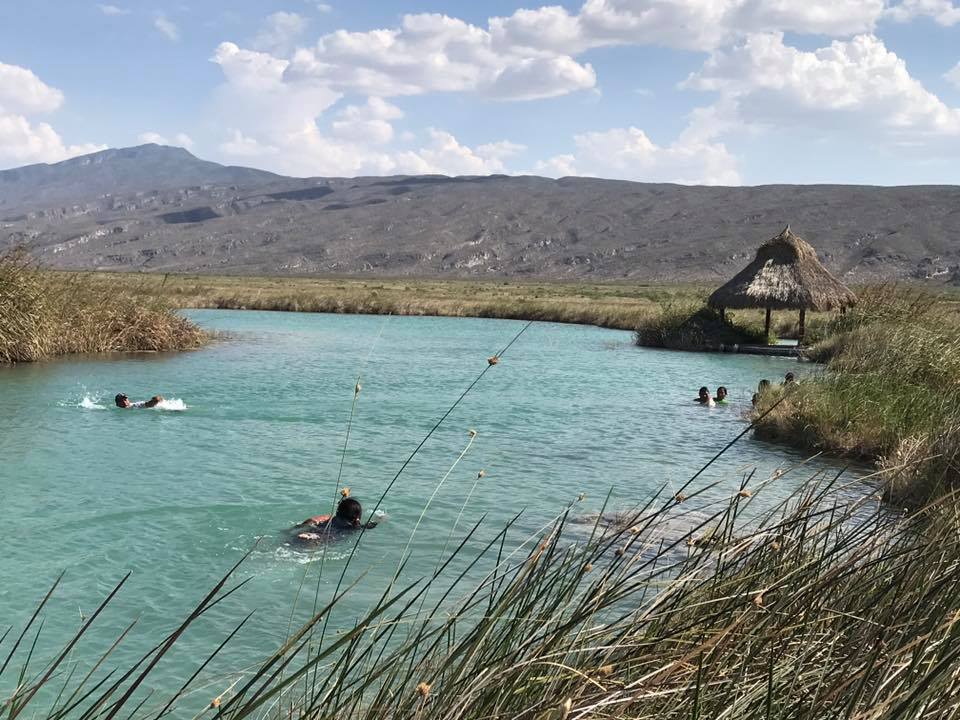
{"x": 890, "y": 393}
{"x": 43, "y": 315}
{"x": 691, "y": 325}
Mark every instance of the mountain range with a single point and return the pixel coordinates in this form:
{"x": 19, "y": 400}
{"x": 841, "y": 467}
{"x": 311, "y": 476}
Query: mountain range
{"x": 159, "y": 208}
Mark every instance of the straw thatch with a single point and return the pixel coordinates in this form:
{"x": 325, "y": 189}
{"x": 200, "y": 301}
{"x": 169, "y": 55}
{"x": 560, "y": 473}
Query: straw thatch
{"x": 785, "y": 275}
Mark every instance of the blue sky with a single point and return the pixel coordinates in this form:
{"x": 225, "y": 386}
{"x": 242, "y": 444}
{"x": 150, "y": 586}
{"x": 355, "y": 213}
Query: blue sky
{"x": 693, "y": 91}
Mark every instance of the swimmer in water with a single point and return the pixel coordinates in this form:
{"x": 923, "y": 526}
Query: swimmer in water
{"x": 704, "y": 397}
{"x": 123, "y": 401}
{"x": 319, "y": 527}
{"x": 721, "y": 397}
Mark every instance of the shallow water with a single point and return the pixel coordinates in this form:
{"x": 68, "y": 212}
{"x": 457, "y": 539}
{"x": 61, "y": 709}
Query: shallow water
{"x": 251, "y": 439}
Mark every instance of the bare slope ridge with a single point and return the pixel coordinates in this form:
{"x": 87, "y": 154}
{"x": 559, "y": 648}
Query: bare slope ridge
{"x": 162, "y": 209}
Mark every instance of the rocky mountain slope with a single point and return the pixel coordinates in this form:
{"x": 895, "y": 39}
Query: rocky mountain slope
{"x": 162, "y": 209}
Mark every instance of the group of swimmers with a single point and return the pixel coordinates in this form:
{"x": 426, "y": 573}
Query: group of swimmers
{"x": 705, "y": 398}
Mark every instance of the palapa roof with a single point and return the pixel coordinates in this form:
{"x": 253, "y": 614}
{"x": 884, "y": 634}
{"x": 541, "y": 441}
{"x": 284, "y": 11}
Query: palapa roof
{"x": 785, "y": 275}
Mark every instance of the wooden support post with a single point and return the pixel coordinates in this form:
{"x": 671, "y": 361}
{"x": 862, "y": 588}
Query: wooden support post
{"x": 766, "y": 327}
{"x": 803, "y": 317}
{"x": 723, "y": 313}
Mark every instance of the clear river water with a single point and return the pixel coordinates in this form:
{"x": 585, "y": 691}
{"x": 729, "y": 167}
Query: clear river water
{"x": 252, "y": 443}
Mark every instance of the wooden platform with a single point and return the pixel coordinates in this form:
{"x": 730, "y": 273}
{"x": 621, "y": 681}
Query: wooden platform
{"x": 772, "y": 350}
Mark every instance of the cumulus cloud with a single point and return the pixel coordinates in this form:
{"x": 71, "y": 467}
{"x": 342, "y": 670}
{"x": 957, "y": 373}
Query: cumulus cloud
{"x": 857, "y": 83}
{"x": 180, "y": 139}
{"x": 954, "y": 75}
{"x": 22, "y": 94}
{"x": 629, "y": 154}
{"x": 281, "y": 32}
{"x": 369, "y": 123}
{"x": 435, "y": 53}
{"x": 684, "y": 24}
{"x": 445, "y": 155}
{"x": 112, "y": 10}
{"x": 167, "y": 28}
{"x": 944, "y": 12}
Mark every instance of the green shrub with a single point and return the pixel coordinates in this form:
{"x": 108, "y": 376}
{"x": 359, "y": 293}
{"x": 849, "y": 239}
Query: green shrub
{"x": 691, "y": 326}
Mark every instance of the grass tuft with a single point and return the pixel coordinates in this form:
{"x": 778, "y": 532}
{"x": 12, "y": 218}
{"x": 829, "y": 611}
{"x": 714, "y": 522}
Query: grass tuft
{"x": 43, "y": 315}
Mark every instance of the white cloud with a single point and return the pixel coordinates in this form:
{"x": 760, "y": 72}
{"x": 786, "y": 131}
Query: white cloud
{"x": 685, "y": 24}
{"x": 323, "y": 7}
{"x": 167, "y": 28}
{"x": 628, "y": 154}
{"x": 180, "y": 139}
{"x": 113, "y": 10}
{"x": 858, "y": 85}
{"x": 953, "y": 76}
{"x": 944, "y": 12}
{"x": 369, "y": 123}
{"x": 445, "y": 155}
{"x": 281, "y": 32}
{"x": 435, "y": 53}
{"x": 240, "y": 146}
{"x": 23, "y": 94}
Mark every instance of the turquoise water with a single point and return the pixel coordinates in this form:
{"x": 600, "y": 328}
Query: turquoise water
{"x": 177, "y": 496}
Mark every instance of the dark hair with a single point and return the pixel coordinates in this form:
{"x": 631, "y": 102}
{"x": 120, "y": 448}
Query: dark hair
{"x": 704, "y": 389}
{"x": 788, "y": 377}
{"x": 349, "y": 510}
{"x": 722, "y": 387}
{"x": 118, "y": 400}
{"x": 763, "y": 385}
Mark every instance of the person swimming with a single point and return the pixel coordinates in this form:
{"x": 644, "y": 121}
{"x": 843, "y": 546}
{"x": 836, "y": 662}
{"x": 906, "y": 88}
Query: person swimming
{"x": 704, "y": 397}
{"x": 721, "y": 397}
{"x": 762, "y": 387}
{"x": 789, "y": 379}
{"x": 322, "y": 527}
{"x": 123, "y": 401}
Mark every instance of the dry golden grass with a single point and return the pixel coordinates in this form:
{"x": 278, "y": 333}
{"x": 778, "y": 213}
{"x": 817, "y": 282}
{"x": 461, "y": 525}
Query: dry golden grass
{"x": 43, "y": 315}
{"x": 611, "y": 305}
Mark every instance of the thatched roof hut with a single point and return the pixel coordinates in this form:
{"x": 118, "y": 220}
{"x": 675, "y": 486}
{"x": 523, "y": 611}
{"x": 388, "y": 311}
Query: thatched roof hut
{"x": 785, "y": 275}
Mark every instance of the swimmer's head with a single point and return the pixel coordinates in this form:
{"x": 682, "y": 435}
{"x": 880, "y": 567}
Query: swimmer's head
{"x": 349, "y": 511}
{"x": 789, "y": 378}
{"x": 721, "y": 393}
{"x": 763, "y": 386}
{"x": 122, "y": 400}
{"x": 704, "y": 393}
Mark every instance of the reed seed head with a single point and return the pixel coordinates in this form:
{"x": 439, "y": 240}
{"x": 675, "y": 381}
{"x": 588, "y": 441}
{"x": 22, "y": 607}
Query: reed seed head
{"x": 423, "y": 690}
{"x": 679, "y": 497}
{"x": 215, "y": 703}
{"x": 581, "y": 497}
{"x": 606, "y": 670}
{"x": 472, "y": 433}
{"x": 588, "y": 567}
{"x": 345, "y": 492}
{"x": 493, "y": 360}
{"x": 745, "y": 493}
{"x": 481, "y": 474}
{"x": 758, "y": 600}
{"x": 565, "y": 707}
{"x": 621, "y": 551}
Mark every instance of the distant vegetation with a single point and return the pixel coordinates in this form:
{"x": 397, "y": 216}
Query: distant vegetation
{"x": 619, "y": 306}
{"x": 688, "y": 325}
{"x": 43, "y": 315}
{"x": 890, "y": 393}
